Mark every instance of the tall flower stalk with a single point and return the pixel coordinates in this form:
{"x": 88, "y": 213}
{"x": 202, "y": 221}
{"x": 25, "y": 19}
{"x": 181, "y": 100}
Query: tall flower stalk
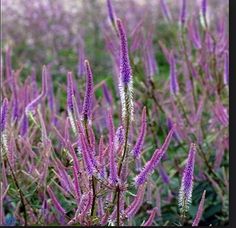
{"x": 185, "y": 192}
{"x": 125, "y": 86}
{"x": 200, "y": 210}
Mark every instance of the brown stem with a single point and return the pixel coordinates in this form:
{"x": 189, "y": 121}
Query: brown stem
{"x": 93, "y": 179}
{"x": 118, "y": 207}
{"x": 20, "y": 192}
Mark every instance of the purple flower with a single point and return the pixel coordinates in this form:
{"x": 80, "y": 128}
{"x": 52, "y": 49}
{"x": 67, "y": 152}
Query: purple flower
{"x": 55, "y": 201}
{"x": 8, "y": 63}
{"x": 183, "y": 13}
{"x": 113, "y": 168}
{"x": 87, "y": 106}
{"x": 70, "y": 92}
{"x": 185, "y": 192}
{"x": 33, "y": 104}
{"x": 139, "y": 144}
{"x": 119, "y": 137}
{"x": 81, "y": 59}
{"x": 174, "y": 87}
{"x": 151, "y": 217}
{"x": 15, "y": 98}
{"x": 165, "y": 10}
{"x": 204, "y": 8}
{"x": 107, "y": 94}
{"x": 87, "y": 159}
{"x": 4, "y": 110}
{"x": 126, "y": 83}
{"x": 194, "y": 34}
{"x": 200, "y": 210}
{"x": 125, "y": 68}
{"x": 136, "y": 203}
{"x": 111, "y": 12}
{"x": 226, "y": 68}
{"x": 155, "y": 159}
{"x": 101, "y": 157}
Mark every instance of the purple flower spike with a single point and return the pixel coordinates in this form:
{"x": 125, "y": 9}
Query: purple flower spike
{"x": 139, "y": 144}
{"x": 101, "y": 157}
{"x": 200, "y": 210}
{"x": 204, "y": 8}
{"x": 70, "y": 92}
{"x": 55, "y": 201}
{"x": 4, "y": 110}
{"x": 25, "y": 123}
{"x": 119, "y": 137}
{"x": 81, "y": 59}
{"x": 8, "y": 63}
{"x": 194, "y": 34}
{"x": 107, "y": 94}
{"x": 126, "y": 83}
{"x": 87, "y": 106}
{"x": 33, "y": 104}
{"x": 174, "y": 87}
{"x": 88, "y": 164}
{"x": 111, "y": 12}
{"x": 155, "y": 159}
{"x": 113, "y": 168}
{"x": 185, "y": 192}
{"x": 165, "y": 10}
{"x": 226, "y": 68}
{"x": 125, "y": 68}
{"x": 137, "y": 202}
{"x": 183, "y": 13}
{"x": 151, "y": 217}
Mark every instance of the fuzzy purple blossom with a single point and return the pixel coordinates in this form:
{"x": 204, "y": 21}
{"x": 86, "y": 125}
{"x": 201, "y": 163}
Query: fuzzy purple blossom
{"x": 125, "y": 68}
{"x": 15, "y": 109}
{"x": 111, "y": 13}
{"x": 8, "y": 63}
{"x": 55, "y": 201}
{"x": 174, "y": 87}
{"x": 200, "y": 210}
{"x": 113, "y": 167}
{"x": 119, "y": 137}
{"x": 133, "y": 208}
{"x": 4, "y": 110}
{"x": 101, "y": 157}
{"x": 155, "y": 159}
{"x": 107, "y": 94}
{"x": 33, "y": 104}
{"x": 151, "y": 218}
{"x": 183, "y": 13}
{"x": 165, "y": 10}
{"x": 204, "y": 8}
{"x": 139, "y": 144}
{"x": 81, "y": 60}
{"x": 88, "y": 164}
{"x": 126, "y": 82}
{"x": 185, "y": 192}
{"x": 70, "y": 91}
{"x": 87, "y": 106}
{"x": 194, "y": 34}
